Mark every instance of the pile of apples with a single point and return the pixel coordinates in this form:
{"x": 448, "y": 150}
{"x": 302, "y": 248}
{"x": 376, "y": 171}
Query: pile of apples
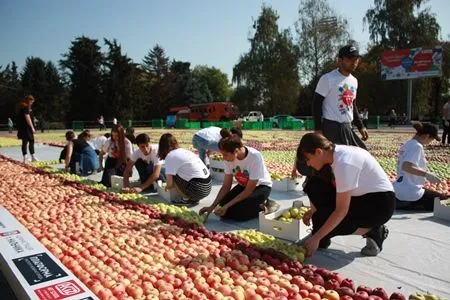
{"x": 293, "y": 213}
{"x": 10, "y": 141}
{"x": 130, "y": 250}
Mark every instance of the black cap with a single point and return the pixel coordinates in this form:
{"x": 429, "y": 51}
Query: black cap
{"x": 348, "y": 51}
{"x": 431, "y": 130}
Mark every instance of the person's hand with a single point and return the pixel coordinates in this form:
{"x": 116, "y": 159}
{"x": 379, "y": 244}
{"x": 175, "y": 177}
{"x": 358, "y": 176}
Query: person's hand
{"x": 205, "y": 210}
{"x": 432, "y": 178}
{"x": 364, "y": 134}
{"x": 311, "y": 245}
{"x": 136, "y": 190}
{"x": 127, "y": 190}
{"x": 220, "y": 211}
{"x": 33, "y": 130}
{"x": 307, "y": 217}
{"x": 295, "y": 174}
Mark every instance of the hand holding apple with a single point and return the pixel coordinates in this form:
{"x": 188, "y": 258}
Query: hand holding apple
{"x": 311, "y": 245}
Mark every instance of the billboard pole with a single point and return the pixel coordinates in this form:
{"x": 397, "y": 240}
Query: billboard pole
{"x": 409, "y": 99}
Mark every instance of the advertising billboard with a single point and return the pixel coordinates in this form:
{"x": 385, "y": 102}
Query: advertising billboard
{"x": 411, "y": 63}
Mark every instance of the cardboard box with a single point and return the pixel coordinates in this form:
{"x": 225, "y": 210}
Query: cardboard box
{"x": 287, "y": 184}
{"x": 293, "y": 231}
{"x": 170, "y": 195}
{"x": 32, "y": 271}
{"x": 442, "y": 209}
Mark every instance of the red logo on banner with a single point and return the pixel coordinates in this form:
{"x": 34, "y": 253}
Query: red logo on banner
{"x": 59, "y": 291}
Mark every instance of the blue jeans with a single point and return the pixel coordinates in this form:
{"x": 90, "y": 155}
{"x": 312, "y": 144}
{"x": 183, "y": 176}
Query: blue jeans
{"x": 145, "y": 170}
{"x": 202, "y": 145}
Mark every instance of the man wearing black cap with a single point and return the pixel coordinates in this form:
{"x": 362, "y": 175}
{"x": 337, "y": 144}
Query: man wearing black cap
{"x": 334, "y": 108}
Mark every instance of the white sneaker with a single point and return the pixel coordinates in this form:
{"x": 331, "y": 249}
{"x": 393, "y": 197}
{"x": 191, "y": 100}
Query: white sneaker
{"x": 25, "y": 159}
{"x": 34, "y": 158}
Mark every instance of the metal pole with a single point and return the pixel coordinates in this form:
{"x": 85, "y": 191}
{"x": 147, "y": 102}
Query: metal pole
{"x": 409, "y": 100}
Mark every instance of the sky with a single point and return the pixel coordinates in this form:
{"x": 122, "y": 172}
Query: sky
{"x": 203, "y": 32}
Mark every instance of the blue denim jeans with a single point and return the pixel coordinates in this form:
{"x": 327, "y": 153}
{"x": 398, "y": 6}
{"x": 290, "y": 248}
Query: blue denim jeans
{"x": 203, "y": 145}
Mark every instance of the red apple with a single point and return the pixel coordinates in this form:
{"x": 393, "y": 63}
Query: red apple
{"x": 316, "y": 279}
{"x": 345, "y": 291}
{"x": 331, "y": 284}
{"x": 361, "y": 295}
{"x": 348, "y": 283}
{"x": 380, "y": 292}
{"x": 397, "y": 296}
{"x": 374, "y": 297}
{"x": 345, "y": 297}
{"x": 364, "y": 288}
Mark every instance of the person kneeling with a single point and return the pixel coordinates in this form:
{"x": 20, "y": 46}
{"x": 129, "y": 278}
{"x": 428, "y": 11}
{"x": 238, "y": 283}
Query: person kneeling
{"x": 147, "y": 163}
{"x": 184, "y": 171}
{"x": 79, "y": 152}
{"x": 364, "y": 200}
{"x": 245, "y": 200}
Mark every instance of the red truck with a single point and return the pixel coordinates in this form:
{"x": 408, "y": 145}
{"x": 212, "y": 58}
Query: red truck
{"x": 213, "y": 111}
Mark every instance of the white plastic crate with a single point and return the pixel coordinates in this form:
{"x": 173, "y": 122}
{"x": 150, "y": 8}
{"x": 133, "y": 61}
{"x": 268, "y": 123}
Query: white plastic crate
{"x": 217, "y": 164}
{"x": 287, "y": 184}
{"x": 169, "y": 195}
{"x": 117, "y": 182}
{"x": 442, "y": 209}
{"x": 293, "y": 231}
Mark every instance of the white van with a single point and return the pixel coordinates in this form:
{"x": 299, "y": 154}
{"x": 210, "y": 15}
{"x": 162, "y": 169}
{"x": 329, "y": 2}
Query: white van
{"x": 253, "y": 116}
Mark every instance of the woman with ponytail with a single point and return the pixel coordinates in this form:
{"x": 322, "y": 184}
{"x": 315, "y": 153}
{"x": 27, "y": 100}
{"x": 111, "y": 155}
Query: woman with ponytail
{"x": 119, "y": 150}
{"x": 26, "y": 127}
{"x": 245, "y": 200}
{"x": 412, "y": 171}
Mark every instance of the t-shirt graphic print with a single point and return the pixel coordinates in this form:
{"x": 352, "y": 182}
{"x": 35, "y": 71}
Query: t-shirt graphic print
{"x": 345, "y": 100}
{"x": 242, "y": 177}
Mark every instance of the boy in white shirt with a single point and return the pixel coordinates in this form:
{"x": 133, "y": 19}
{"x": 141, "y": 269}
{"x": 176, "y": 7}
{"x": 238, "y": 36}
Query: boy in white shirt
{"x": 146, "y": 161}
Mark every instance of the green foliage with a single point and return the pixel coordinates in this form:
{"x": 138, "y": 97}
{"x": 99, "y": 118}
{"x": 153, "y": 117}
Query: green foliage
{"x": 270, "y": 69}
{"x": 10, "y": 91}
{"x": 216, "y": 80}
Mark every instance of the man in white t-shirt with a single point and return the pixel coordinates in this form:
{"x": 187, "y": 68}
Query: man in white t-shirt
{"x": 334, "y": 107}
{"x": 446, "y": 123}
{"x": 146, "y": 161}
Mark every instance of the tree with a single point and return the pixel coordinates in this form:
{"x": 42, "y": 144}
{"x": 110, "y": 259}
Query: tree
{"x": 321, "y": 32}
{"x": 34, "y": 83}
{"x": 270, "y": 69}
{"x": 197, "y": 91}
{"x": 55, "y": 95}
{"x": 82, "y": 66}
{"x": 216, "y": 80}
{"x": 10, "y": 91}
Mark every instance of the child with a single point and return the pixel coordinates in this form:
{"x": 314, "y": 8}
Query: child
{"x": 79, "y": 151}
{"x": 245, "y": 200}
{"x": 364, "y": 200}
{"x": 147, "y": 163}
{"x": 412, "y": 171}
{"x": 184, "y": 171}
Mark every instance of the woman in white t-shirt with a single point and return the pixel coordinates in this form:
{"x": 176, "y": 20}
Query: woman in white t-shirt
{"x": 245, "y": 200}
{"x": 119, "y": 150}
{"x": 364, "y": 199}
{"x": 412, "y": 171}
{"x": 184, "y": 171}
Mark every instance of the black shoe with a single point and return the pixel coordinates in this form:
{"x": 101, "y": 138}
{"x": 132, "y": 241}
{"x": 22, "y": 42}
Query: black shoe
{"x": 324, "y": 243}
{"x": 374, "y": 241}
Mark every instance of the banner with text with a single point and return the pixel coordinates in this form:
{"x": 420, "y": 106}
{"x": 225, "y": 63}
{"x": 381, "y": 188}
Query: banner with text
{"x": 411, "y": 63}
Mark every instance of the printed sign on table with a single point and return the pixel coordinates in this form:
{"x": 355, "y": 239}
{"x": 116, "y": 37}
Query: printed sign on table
{"x": 38, "y": 268}
{"x": 411, "y": 63}
{"x": 60, "y": 290}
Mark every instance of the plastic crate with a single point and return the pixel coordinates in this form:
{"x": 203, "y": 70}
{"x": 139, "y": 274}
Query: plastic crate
{"x": 309, "y": 124}
{"x": 441, "y": 209}
{"x": 158, "y": 123}
{"x": 194, "y": 125}
{"x": 77, "y": 125}
{"x": 267, "y": 125}
{"x": 373, "y": 122}
{"x": 297, "y": 125}
{"x": 205, "y": 124}
{"x": 182, "y": 124}
{"x": 169, "y": 195}
{"x": 252, "y": 125}
{"x": 287, "y": 184}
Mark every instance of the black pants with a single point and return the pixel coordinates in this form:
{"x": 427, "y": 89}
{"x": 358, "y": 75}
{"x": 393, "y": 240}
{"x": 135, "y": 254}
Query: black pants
{"x": 248, "y": 208}
{"x": 365, "y": 211}
{"x": 30, "y": 143}
{"x": 424, "y": 203}
{"x": 111, "y": 169}
{"x": 445, "y": 133}
{"x": 145, "y": 170}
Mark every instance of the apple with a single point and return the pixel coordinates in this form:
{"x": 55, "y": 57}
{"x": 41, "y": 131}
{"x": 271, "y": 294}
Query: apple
{"x": 361, "y": 295}
{"x": 364, "y": 288}
{"x": 331, "y": 295}
{"x": 331, "y": 284}
{"x": 314, "y": 296}
{"x": 380, "y": 292}
{"x": 316, "y": 279}
{"x": 374, "y": 297}
{"x": 345, "y": 291}
{"x": 348, "y": 283}
{"x": 397, "y": 296}
{"x": 346, "y": 297}
{"x": 325, "y": 273}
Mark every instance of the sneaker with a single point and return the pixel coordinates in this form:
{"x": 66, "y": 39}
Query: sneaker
{"x": 374, "y": 241}
{"x": 183, "y": 201}
{"x": 270, "y": 206}
{"x": 34, "y": 158}
{"x": 25, "y": 159}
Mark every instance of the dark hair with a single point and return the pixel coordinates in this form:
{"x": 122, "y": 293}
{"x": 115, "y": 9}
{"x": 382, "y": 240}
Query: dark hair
{"x": 167, "y": 143}
{"x": 70, "y": 135}
{"x": 107, "y": 135}
{"x": 229, "y": 141}
{"x": 123, "y": 157}
{"x": 25, "y": 102}
{"x": 129, "y": 130}
{"x": 236, "y": 131}
{"x": 426, "y": 128}
{"x": 310, "y": 142}
{"x": 86, "y": 134}
{"x": 142, "y": 138}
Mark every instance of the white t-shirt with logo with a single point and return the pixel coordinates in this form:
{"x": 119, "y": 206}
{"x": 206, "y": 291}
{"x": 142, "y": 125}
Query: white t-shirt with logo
{"x": 210, "y": 133}
{"x": 151, "y": 157}
{"x": 252, "y": 167}
{"x": 409, "y": 187}
{"x": 98, "y": 142}
{"x": 339, "y": 92}
{"x": 112, "y": 148}
{"x": 357, "y": 171}
{"x": 185, "y": 164}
